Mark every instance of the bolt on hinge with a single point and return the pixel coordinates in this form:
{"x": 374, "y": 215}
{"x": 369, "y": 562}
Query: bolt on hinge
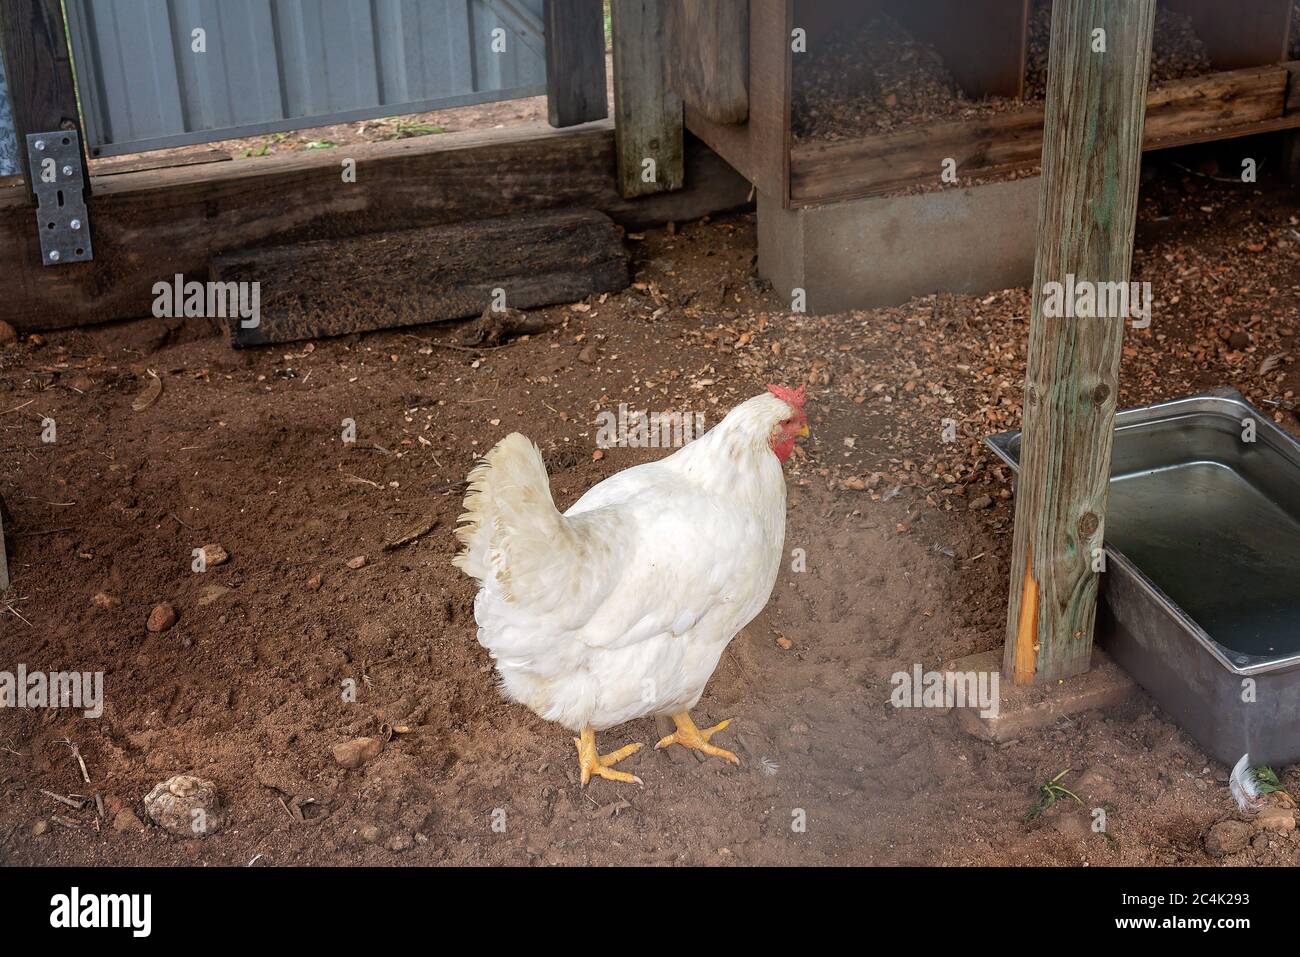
{"x": 54, "y": 159}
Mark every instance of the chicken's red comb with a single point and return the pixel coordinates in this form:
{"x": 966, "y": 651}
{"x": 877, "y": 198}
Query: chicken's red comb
{"x": 794, "y": 397}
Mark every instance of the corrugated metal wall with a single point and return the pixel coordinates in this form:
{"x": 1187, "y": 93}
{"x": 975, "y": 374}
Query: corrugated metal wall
{"x": 8, "y": 138}
{"x": 274, "y": 65}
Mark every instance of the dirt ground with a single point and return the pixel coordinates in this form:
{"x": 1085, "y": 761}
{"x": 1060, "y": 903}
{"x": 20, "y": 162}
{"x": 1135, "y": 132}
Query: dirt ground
{"x": 906, "y": 540}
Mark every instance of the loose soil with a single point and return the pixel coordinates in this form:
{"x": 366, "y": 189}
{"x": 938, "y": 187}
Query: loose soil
{"x": 906, "y": 540}
{"x": 875, "y": 77}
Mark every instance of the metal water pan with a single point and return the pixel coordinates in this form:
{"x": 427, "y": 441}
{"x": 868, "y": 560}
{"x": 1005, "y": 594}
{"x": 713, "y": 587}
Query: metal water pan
{"x": 1200, "y": 601}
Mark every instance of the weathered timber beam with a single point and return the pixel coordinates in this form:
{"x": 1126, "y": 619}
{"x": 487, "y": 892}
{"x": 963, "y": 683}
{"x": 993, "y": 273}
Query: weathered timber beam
{"x": 151, "y": 225}
{"x": 1194, "y": 109}
{"x": 760, "y": 147}
{"x": 39, "y": 73}
{"x": 575, "y": 62}
{"x": 707, "y": 45}
{"x": 333, "y": 287}
{"x": 1092, "y": 147}
{"x": 648, "y": 123}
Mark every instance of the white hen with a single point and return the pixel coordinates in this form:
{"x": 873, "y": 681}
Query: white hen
{"x": 622, "y": 606}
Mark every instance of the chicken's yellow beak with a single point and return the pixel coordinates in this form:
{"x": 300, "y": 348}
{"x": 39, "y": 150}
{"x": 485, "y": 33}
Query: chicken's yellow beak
{"x": 804, "y": 433}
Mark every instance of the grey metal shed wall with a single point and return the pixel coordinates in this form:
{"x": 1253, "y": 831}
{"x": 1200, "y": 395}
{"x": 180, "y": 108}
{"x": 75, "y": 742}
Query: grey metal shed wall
{"x": 274, "y": 65}
{"x": 8, "y": 138}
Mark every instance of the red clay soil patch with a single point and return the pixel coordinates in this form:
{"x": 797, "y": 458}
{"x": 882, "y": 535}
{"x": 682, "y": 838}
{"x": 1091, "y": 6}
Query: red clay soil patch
{"x": 905, "y": 536}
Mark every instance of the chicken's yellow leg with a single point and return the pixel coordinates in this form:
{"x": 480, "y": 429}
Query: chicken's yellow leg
{"x": 689, "y": 736}
{"x": 589, "y": 762}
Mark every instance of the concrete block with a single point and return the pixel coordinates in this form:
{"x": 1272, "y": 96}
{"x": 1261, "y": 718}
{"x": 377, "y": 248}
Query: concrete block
{"x": 882, "y": 251}
{"x": 1024, "y": 708}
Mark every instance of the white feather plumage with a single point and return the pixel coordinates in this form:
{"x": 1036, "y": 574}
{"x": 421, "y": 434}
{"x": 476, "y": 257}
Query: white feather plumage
{"x": 1243, "y": 785}
{"x": 622, "y": 606}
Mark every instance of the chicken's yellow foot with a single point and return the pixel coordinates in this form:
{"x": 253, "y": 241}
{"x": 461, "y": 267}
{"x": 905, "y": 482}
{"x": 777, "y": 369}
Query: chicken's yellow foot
{"x": 601, "y": 765}
{"x": 689, "y": 736}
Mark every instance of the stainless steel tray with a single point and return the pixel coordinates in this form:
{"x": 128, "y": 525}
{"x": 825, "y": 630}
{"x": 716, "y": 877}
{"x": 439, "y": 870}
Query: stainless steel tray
{"x": 1200, "y": 602}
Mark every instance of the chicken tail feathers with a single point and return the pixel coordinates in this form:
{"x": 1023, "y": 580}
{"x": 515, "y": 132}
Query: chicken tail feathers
{"x": 510, "y": 517}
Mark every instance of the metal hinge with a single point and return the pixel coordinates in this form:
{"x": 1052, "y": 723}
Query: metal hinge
{"x": 59, "y": 184}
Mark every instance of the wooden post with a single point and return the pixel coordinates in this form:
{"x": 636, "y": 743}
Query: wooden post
{"x": 647, "y": 114}
{"x": 1092, "y": 143}
{"x": 708, "y": 56}
{"x": 575, "y": 62}
{"x": 39, "y": 71}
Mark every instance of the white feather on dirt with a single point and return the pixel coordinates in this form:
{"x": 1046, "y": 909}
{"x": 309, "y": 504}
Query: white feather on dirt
{"x": 1243, "y": 785}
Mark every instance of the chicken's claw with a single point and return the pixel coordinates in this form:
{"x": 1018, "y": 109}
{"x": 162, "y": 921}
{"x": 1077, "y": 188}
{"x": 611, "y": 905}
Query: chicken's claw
{"x": 601, "y": 765}
{"x": 689, "y": 736}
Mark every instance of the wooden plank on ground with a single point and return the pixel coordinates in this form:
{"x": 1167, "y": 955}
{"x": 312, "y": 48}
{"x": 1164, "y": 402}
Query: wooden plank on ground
{"x": 576, "y": 91}
{"x": 38, "y": 70}
{"x": 151, "y": 225}
{"x": 708, "y": 56}
{"x": 146, "y": 161}
{"x": 1092, "y": 149}
{"x": 333, "y": 287}
{"x": 1182, "y": 109}
{"x": 648, "y": 128}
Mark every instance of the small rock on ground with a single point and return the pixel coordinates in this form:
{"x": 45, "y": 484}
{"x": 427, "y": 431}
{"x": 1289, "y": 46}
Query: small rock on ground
{"x": 161, "y": 618}
{"x": 1275, "y": 819}
{"x": 186, "y": 805}
{"x": 353, "y": 754}
{"x": 214, "y": 555}
{"x": 1227, "y": 837}
{"x": 126, "y": 820}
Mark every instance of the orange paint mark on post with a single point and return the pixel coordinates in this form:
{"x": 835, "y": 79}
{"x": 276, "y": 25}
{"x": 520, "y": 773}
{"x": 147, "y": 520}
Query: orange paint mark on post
{"x": 1026, "y": 663}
